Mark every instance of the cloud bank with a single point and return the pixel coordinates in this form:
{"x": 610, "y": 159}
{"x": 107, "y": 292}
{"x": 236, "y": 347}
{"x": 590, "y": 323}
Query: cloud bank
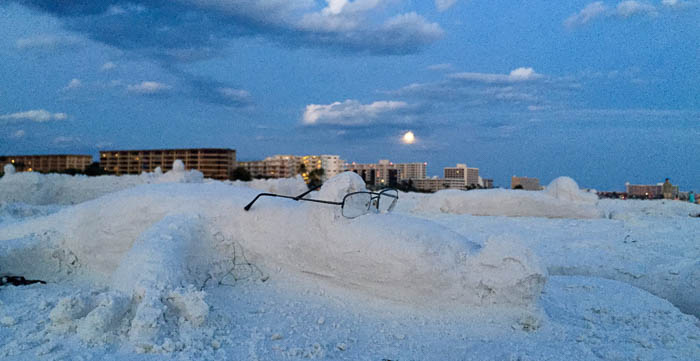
{"x": 623, "y": 10}
{"x": 173, "y": 33}
{"x": 352, "y": 113}
{"x": 159, "y": 29}
{"x": 516, "y": 75}
{"x": 149, "y": 87}
{"x": 38, "y": 116}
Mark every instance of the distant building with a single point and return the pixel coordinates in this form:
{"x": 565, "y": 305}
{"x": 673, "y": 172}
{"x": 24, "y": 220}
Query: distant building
{"x": 332, "y": 165}
{"x": 526, "y": 183}
{"x": 47, "y": 163}
{"x": 286, "y": 166}
{"x": 256, "y": 168}
{"x": 647, "y": 191}
{"x": 470, "y": 176}
{"x": 386, "y": 173}
{"x": 457, "y": 177}
{"x": 436, "y": 184}
{"x": 412, "y": 170}
{"x": 216, "y": 163}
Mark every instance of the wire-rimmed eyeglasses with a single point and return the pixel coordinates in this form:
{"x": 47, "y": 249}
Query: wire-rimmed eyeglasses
{"x": 353, "y": 204}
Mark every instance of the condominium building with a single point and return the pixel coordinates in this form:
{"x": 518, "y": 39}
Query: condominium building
{"x": 470, "y": 176}
{"x": 383, "y": 173}
{"x": 256, "y": 168}
{"x": 436, "y": 184}
{"x": 47, "y": 163}
{"x": 648, "y": 191}
{"x": 386, "y": 173}
{"x": 412, "y": 170}
{"x": 286, "y": 166}
{"x": 332, "y": 165}
{"x": 214, "y": 163}
{"x": 526, "y": 183}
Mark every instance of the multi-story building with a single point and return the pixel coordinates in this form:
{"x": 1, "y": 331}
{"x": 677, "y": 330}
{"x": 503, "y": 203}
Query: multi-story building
{"x": 526, "y": 183}
{"x": 256, "y": 168}
{"x": 386, "y": 173}
{"x": 470, "y": 176}
{"x": 648, "y": 191}
{"x": 47, "y": 163}
{"x": 286, "y": 166}
{"x": 412, "y": 170}
{"x": 332, "y": 165}
{"x": 214, "y": 163}
{"x": 487, "y": 182}
{"x": 281, "y": 166}
{"x": 379, "y": 174}
{"x": 436, "y": 184}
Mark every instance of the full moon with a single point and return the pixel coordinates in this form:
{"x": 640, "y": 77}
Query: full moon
{"x": 409, "y": 137}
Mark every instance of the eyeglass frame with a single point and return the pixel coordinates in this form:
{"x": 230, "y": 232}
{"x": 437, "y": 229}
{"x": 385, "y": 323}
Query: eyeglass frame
{"x": 373, "y": 196}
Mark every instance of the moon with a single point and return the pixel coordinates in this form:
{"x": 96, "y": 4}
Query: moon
{"x": 408, "y": 138}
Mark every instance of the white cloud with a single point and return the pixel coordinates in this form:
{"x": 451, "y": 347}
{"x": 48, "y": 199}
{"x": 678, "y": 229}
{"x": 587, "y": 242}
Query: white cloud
{"x": 122, "y": 10}
{"x": 347, "y": 25}
{"x": 73, "y": 84}
{"x": 108, "y": 66}
{"x": 38, "y": 116}
{"x": 233, "y": 97}
{"x": 443, "y": 5}
{"x": 590, "y": 12}
{"x": 521, "y": 74}
{"x": 46, "y": 42}
{"x": 234, "y": 93}
{"x": 517, "y": 75}
{"x": 354, "y": 113}
{"x": 65, "y": 140}
{"x": 624, "y": 9}
{"x": 679, "y": 4}
{"x": 412, "y": 25}
{"x": 335, "y": 7}
{"x": 441, "y": 67}
{"x": 632, "y": 7}
{"x": 18, "y": 134}
{"x": 148, "y": 87}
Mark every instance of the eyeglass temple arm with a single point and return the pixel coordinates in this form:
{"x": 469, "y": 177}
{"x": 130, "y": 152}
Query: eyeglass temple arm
{"x": 247, "y": 207}
{"x": 307, "y": 192}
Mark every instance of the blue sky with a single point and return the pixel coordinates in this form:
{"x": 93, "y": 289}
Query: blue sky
{"x": 605, "y": 92}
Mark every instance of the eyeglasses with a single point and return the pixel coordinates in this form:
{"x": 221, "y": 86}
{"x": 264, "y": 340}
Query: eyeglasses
{"x": 353, "y": 205}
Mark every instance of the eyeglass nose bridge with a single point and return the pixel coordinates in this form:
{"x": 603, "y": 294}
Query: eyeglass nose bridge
{"x": 374, "y": 204}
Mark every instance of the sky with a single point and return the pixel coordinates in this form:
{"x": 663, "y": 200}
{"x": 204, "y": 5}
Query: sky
{"x": 605, "y": 92}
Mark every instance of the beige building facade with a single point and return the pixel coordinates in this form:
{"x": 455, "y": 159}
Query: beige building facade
{"x": 470, "y": 176}
{"x": 526, "y": 183}
{"x": 47, "y": 163}
{"x": 216, "y": 163}
{"x": 286, "y": 166}
{"x": 648, "y": 191}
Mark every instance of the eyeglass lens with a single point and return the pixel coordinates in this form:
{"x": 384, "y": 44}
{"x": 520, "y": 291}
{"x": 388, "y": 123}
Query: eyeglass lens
{"x": 387, "y": 200}
{"x": 357, "y": 204}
